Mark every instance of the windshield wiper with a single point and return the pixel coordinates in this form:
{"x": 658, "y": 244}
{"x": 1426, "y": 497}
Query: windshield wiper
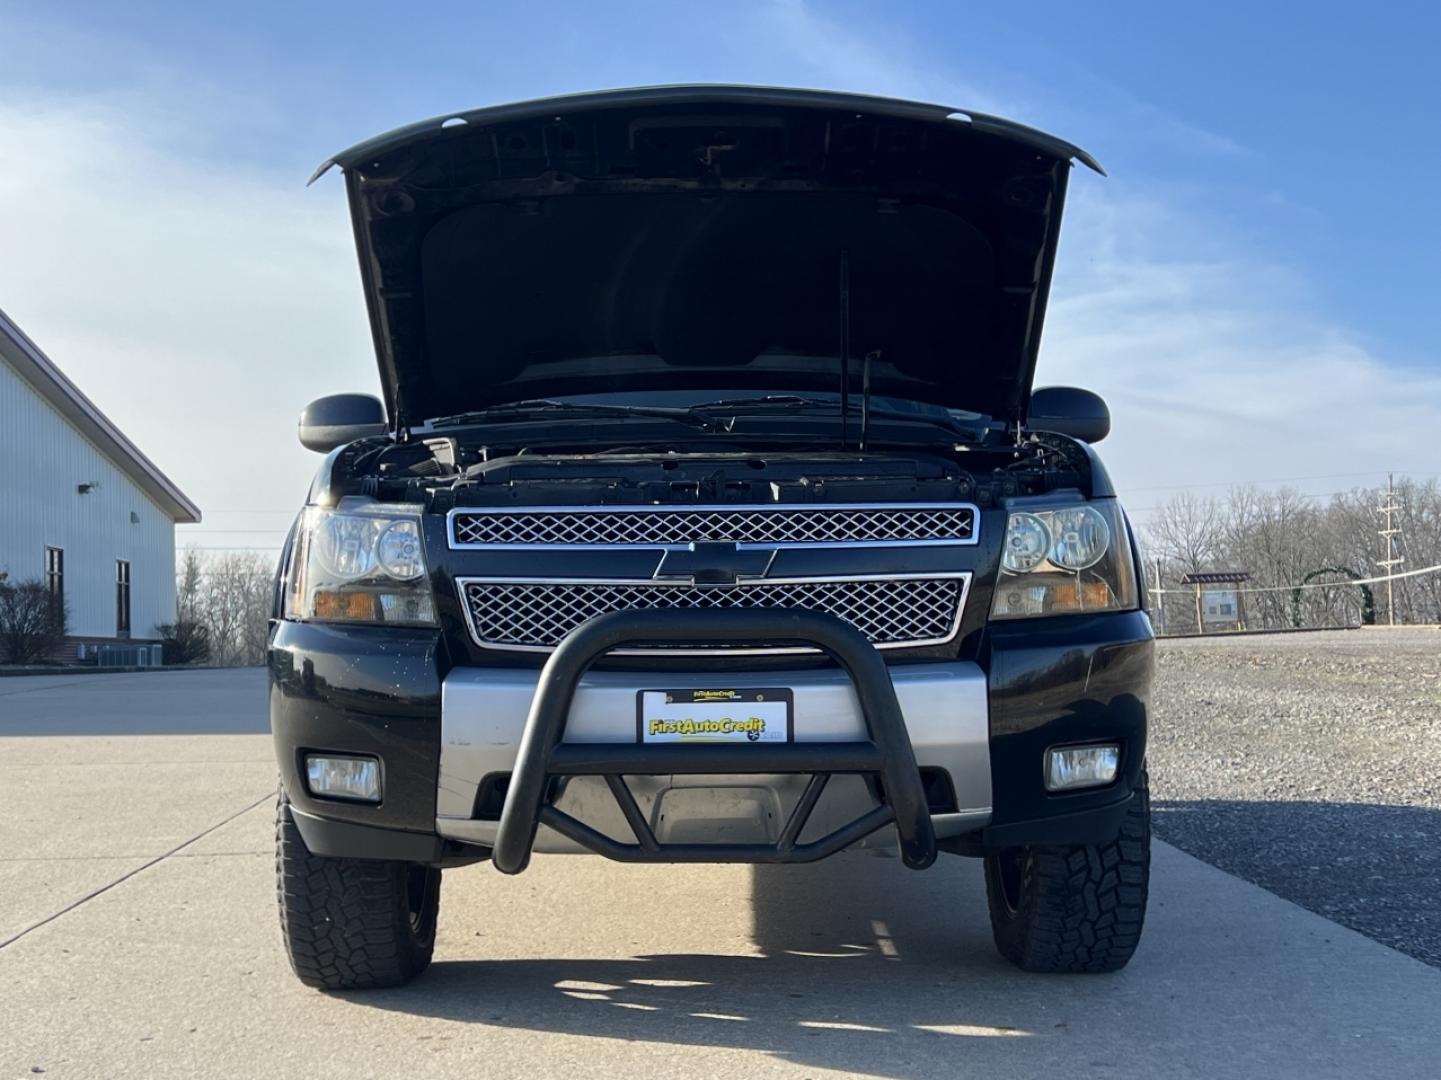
{"x": 705, "y": 415}
{"x": 511, "y": 409}
{"x": 799, "y": 403}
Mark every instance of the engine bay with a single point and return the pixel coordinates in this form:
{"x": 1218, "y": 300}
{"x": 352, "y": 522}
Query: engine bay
{"x": 446, "y": 472}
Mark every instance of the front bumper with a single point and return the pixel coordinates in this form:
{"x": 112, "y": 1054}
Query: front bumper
{"x": 448, "y": 744}
{"x": 484, "y": 711}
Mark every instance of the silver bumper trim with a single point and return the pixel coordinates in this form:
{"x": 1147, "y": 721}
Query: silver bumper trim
{"x": 483, "y": 713}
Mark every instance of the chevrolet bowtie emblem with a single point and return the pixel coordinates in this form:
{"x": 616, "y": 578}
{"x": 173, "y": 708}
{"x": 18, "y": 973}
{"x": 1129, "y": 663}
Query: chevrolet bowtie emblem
{"x": 715, "y": 563}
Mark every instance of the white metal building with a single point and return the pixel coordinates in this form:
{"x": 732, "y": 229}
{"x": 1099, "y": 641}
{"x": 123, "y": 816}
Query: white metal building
{"x": 80, "y": 506}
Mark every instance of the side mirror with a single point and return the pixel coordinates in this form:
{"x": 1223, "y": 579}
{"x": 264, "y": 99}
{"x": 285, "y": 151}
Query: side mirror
{"x": 1069, "y": 410}
{"x": 335, "y": 420}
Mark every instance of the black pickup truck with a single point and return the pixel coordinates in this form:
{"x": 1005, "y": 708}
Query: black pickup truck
{"x": 709, "y": 516}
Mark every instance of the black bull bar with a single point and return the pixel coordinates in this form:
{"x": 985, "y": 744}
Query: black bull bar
{"x": 885, "y": 756}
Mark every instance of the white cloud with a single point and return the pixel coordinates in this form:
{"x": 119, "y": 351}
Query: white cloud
{"x": 1214, "y": 363}
{"x": 199, "y": 304}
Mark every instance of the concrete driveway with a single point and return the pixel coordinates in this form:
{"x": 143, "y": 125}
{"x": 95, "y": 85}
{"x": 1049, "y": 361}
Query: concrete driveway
{"x": 138, "y": 938}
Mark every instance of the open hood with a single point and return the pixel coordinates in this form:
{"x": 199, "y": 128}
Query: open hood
{"x": 710, "y": 237}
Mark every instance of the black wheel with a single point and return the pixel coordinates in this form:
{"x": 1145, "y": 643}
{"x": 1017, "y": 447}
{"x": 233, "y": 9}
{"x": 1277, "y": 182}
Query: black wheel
{"x": 1074, "y": 908}
{"x": 352, "y": 924}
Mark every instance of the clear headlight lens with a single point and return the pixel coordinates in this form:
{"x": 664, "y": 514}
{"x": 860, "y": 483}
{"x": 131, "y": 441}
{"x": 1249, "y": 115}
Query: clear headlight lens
{"x": 344, "y": 544}
{"x": 1079, "y": 537}
{"x": 360, "y": 563}
{"x": 398, "y": 551}
{"x": 1065, "y": 560}
{"x": 1027, "y": 541}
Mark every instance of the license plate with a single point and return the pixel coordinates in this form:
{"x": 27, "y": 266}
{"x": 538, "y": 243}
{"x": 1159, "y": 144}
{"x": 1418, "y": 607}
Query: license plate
{"x": 714, "y": 715}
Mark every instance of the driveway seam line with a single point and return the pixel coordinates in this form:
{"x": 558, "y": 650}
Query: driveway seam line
{"x": 38, "y": 689}
{"x": 130, "y": 874}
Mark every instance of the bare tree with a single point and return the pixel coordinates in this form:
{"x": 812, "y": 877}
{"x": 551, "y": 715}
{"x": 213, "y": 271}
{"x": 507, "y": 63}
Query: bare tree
{"x": 229, "y": 596}
{"x": 1282, "y": 537}
{"x": 188, "y": 582}
{"x": 1186, "y": 532}
{"x": 32, "y": 621}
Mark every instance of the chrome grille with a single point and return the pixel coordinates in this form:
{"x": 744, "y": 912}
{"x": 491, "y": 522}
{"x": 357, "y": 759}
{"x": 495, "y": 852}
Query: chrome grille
{"x": 665, "y": 526}
{"x": 891, "y": 612}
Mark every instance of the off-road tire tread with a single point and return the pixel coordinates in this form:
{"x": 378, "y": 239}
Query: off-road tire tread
{"x": 1081, "y": 908}
{"x": 345, "y": 922}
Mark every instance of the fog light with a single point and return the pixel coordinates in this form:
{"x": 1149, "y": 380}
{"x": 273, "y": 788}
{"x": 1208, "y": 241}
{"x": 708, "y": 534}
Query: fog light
{"x": 343, "y": 777}
{"x": 1071, "y": 767}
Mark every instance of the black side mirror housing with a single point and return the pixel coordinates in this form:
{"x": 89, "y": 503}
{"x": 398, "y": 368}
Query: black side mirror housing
{"x": 1069, "y": 410}
{"x": 335, "y": 420}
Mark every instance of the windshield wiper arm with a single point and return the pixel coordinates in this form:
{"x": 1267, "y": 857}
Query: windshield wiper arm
{"x": 690, "y": 417}
{"x": 798, "y": 403}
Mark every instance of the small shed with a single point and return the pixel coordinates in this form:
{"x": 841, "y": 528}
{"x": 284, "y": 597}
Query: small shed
{"x": 1220, "y": 603}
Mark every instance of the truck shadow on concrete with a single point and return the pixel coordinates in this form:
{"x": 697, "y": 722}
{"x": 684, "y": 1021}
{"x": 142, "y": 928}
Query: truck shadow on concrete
{"x": 864, "y": 966}
{"x": 1375, "y": 869}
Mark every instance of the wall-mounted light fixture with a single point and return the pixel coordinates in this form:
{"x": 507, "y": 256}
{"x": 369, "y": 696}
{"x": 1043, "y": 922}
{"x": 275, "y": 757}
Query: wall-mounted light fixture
{"x": 87, "y": 488}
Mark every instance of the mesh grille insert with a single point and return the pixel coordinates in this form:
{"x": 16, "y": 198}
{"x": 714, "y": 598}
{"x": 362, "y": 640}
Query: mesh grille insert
{"x": 746, "y": 525}
{"x": 538, "y": 615}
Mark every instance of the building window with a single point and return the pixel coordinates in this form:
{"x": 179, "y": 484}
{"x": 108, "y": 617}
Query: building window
{"x": 122, "y": 598}
{"x": 55, "y": 575}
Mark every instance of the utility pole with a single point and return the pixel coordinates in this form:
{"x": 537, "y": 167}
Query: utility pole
{"x": 1160, "y": 595}
{"x": 1392, "y": 560}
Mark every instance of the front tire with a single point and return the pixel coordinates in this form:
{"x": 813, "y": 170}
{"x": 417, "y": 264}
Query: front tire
{"x": 352, "y": 924}
{"x": 1076, "y": 908}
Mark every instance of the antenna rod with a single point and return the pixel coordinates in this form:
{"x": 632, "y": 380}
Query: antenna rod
{"x": 874, "y": 354}
{"x": 845, "y": 300}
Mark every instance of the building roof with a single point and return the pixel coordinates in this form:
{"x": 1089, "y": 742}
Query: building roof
{"x": 1217, "y": 577}
{"x": 50, "y": 383}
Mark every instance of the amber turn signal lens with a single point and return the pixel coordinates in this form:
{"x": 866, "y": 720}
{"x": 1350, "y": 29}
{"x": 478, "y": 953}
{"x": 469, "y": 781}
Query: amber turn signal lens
{"x": 1081, "y": 596}
{"x": 361, "y": 606}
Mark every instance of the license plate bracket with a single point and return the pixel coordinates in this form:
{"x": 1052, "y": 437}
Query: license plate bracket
{"x": 710, "y": 714}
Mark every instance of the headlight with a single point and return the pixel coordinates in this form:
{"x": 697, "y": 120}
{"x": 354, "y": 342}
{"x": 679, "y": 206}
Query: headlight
{"x": 398, "y": 551}
{"x": 1079, "y": 537}
{"x": 359, "y": 564}
{"x": 343, "y": 545}
{"x": 1064, "y": 560}
{"x": 1027, "y": 541}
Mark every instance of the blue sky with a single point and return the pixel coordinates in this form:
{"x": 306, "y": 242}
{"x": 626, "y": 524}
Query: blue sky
{"x": 1252, "y": 286}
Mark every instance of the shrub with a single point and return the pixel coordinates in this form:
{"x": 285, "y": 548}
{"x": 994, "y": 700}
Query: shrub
{"x": 32, "y": 623}
{"x": 184, "y": 642}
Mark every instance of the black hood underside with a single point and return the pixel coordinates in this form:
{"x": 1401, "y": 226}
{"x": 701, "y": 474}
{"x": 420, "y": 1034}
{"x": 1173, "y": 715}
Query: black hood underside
{"x": 683, "y": 238}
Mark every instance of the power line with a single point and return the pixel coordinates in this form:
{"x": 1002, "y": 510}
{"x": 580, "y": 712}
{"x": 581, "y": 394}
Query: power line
{"x": 1158, "y": 591}
{"x": 1255, "y": 480}
{"x": 1299, "y": 494}
{"x": 1348, "y": 581}
{"x": 204, "y": 547}
{"x": 1422, "y": 477}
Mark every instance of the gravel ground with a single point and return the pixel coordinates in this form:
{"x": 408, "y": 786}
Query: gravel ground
{"x": 1310, "y": 764}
